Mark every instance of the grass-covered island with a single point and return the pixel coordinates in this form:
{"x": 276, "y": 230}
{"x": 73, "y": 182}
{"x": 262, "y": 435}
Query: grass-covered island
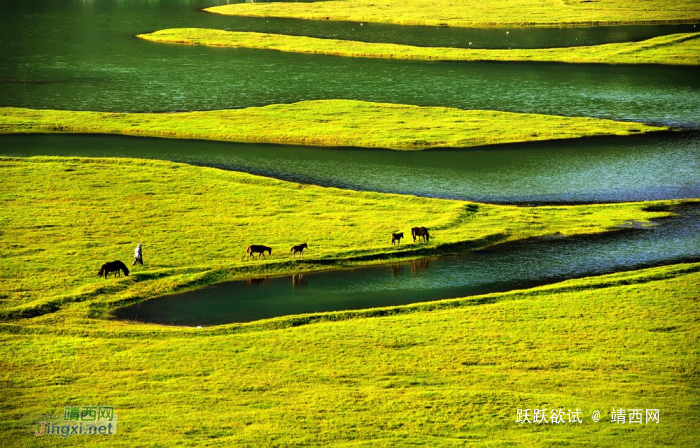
{"x": 327, "y": 123}
{"x": 501, "y": 13}
{"x": 675, "y": 49}
{"x": 445, "y": 373}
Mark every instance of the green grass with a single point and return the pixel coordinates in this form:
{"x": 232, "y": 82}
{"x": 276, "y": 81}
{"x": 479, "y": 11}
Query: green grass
{"x": 327, "y": 123}
{"x": 450, "y": 375}
{"x": 61, "y": 218}
{"x": 499, "y": 13}
{"x": 444, "y": 373}
{"x": 675, "y": 49}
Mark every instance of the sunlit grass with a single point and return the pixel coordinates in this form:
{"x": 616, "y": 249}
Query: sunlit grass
{"x": 675, "y": 49}
{"x": 62, "y": 218}
{"x": 451, "y": 375}
{"x": 327, "y": 123}
{"x": 478, "y": 14}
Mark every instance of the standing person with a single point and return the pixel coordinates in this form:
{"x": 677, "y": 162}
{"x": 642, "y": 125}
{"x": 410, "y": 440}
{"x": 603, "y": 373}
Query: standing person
{"x": 138, "y": 255}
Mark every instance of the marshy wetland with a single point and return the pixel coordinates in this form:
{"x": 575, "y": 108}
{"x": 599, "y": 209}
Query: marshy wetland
{"x": 561, "y": 197}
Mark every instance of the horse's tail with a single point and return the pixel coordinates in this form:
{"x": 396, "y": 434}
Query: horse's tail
{"x": 102, "y": 271}
{"x": 292, "y": 248}
{"x": 248, "y": 250}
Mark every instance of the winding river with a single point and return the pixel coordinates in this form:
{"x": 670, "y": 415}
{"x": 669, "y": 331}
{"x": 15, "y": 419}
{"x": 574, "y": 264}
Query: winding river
{"x": 82, "y": 55}
{"x": 511, "y": 266}
{"x": 618, "y": 169}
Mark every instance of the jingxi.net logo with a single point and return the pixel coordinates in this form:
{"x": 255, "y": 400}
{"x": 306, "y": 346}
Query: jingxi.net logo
{"x": 79, "y": 420}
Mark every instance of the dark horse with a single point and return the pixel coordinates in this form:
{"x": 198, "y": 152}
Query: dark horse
{"x": 258, "y": 249}
{"x": 298, "y": 249}
{"x": 113, "y": 266}
{"x": 396, "y": 238}
{"x": 420, "y": 232}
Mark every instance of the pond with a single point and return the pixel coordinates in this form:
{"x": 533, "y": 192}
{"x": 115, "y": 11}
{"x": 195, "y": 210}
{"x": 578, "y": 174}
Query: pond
{"x": 511, "y": 266}
{"x": 69, "y": 54}
{"x": 618, "y": 169}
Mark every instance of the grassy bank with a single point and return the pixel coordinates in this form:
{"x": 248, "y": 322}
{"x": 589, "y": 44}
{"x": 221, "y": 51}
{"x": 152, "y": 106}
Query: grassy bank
{"x": 326, "y": 123}
{"x": 449, "y": 377}
{"x": 479, "y": 14}
{"x": 62, "y": 218}
{"x": 676, "y": 49}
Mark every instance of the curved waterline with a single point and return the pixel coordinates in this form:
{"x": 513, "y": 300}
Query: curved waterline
{"x": 624, "y": 169}
{"x": 511, "y": 266}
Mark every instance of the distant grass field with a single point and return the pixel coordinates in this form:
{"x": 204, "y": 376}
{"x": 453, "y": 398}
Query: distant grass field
{"x": 675, "y": 49}
{"x": 453, "y": 373}
{"x": 62, "y": 218}
{"x": 552, "y": 13}
{"x": 327, "y": 123}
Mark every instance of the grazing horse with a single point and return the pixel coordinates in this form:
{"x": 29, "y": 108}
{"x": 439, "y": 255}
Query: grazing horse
{"x": 420, "y": 232}
{"x": 113, "y": 266}
{"x": 298, "y": 249}
{"x": 258, "y": 249}
{"x": 396, "y": 238}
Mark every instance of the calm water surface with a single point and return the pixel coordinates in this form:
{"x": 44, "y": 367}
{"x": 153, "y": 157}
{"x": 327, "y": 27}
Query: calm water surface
{"x": 592, "y": 170}
{"x": 70, "y": 54}
{"x": 510, "y": 267}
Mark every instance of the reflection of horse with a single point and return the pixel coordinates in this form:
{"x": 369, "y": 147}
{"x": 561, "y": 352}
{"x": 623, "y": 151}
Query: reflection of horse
{"x": 419, "y": 265}
{"x": 298, "y": 249}
{"x": 396, "y": 237}
{"x": 258, "y": 249}
{"x": 298, "y": 280}
{"x": 113, "y": 266}
{"x": 256, "y": 281}
{"x": 420, "y": 232}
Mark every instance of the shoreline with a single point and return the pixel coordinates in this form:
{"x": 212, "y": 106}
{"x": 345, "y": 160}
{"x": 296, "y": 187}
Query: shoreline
{"x": 329, "y": 123}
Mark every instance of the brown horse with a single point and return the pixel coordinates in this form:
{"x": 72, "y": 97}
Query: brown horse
{"x": 420, "y": 232}
{"x": 258, "y": 249}
{"x": 298, "y": 249}
{"x": 396, "y": 238}
{"x": 113, "y": 266}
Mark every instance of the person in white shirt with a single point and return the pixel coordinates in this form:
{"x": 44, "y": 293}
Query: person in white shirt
{"x": 138, "y": 255}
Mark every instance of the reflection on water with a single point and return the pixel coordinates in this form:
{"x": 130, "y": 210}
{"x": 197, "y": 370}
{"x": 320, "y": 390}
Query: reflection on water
{"x": 503, "y": 268}
{"x": 593, "y": 170}
{"x": 84, "y": 56}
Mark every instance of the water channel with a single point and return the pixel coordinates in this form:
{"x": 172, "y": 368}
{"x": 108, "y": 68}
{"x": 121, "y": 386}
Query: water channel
{"x": 71, "y": 54}
{"x": 512, "y": 266}
{"x": 618, "y": 169}
{"x": 82, "y": 55}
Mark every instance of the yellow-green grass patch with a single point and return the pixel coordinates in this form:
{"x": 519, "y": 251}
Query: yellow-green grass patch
{"x": 327, "y": 123}
{"x": 675, "y": 49}
{"x": 62, "y": 218}
{"x": 447, "y": 377}
{"x": 501, "y": 13}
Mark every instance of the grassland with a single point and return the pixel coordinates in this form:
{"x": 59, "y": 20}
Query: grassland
{"x": 550, "y": 13}
{"x": 675, "y": 49}
{"x": 450, "y": 375}
{"x": 326, "y": 123}
{"x": 63, "y": 218}
{"x": 444, "y": 373}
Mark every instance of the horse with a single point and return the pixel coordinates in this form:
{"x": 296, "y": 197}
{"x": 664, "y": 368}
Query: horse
{"x": 420, "y": 232}
{"x": 298, "y": 249}
{"x": 258, "y": 249}
{"x": 396, "y": 237}
{"x": 113, "y": 266}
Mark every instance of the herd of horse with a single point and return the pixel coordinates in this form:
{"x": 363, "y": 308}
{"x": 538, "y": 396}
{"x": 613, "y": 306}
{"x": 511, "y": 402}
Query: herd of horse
{"x": 418, "y": 233}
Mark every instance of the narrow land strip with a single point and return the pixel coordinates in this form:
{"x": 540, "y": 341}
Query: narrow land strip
{"x": 674, "y": 49}
{"x": 542, "y": 13}
{"x": 327, "y": 123}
